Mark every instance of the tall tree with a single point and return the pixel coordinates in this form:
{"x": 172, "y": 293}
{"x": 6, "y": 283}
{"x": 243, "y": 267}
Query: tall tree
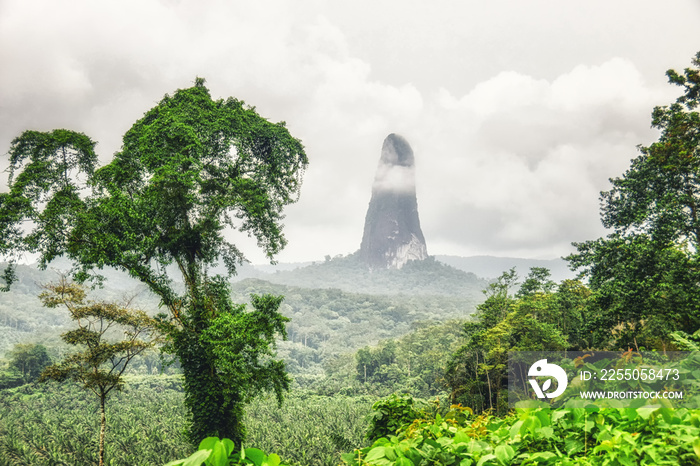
{"x": 191, "y": 168}
{"x": 645, "y": 273}
{"x": 100, "y": 364}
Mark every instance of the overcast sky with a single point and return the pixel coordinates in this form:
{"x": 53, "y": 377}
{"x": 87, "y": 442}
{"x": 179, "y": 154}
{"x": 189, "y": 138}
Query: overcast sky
{"x": 518, "y": 111}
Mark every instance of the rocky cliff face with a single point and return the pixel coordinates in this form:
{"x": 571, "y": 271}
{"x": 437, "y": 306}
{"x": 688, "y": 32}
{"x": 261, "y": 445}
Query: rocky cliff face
{"x": 392, "y": 234}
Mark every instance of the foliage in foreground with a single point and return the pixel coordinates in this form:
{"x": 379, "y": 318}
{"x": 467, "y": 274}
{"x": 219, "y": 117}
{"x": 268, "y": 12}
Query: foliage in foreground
{"x": 215, "y": 452}
{"x": 582, "y": 433}
{"x": 391, "y": 414}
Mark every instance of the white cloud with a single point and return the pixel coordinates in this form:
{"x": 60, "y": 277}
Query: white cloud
{"x": 615, "y": 82}
{"x": 506, "y": 91}
{"x": 535, "y": 156}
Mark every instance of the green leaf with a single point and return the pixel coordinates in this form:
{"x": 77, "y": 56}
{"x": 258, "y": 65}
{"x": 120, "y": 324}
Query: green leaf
{"x": 219, "y": 456}
{"x": 558, "y": 414}
{"x": 572, "y": 446}
{"x": 646, "y": 411}
{"x": 515, "y": 429}
{"x": 197, "y": 458}
{"x": 229, "y": 445}
{"x": 273, "y": 460}
{"x": 208, "y": 443}
{"x": 531, "y": 424}
{"x": 605, "y": 445}
{"x": 504, "y": 454}
{"x": 462, "y": 437}
{"x": 175, "y": 463}
{"x": 255, "y": 455}
{"x": 476, "y": 446}
{"x": 544, "y": 416}
{"x": 375, "y": 454}
{"x": 696, "y": 447}
{"x": 486, "y": 458}
{"x": 545, "y": 455}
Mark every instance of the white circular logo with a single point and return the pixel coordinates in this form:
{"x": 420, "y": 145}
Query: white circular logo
{"x": 543, "y": 369}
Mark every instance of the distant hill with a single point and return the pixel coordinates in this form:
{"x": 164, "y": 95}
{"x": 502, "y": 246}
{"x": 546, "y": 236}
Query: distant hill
{"x": 348, "y": 273}
{"x": 492, "y": 267}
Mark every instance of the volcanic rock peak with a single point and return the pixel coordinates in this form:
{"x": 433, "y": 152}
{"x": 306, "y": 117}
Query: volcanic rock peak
{"x": 392, "y": 234}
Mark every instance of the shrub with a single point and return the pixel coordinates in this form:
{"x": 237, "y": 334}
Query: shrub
{"x": 391, "y": 414}
{"x": 215, "y": 452}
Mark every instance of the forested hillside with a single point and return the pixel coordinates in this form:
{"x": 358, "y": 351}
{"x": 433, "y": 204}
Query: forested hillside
{"x": 348, "y": 273}
{"x": 325, "y": 321}
{"x": 24, "y": 319}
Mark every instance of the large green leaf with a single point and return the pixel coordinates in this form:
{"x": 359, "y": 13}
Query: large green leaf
{"x": 253, "y": 454}
{"x": 504, "y": 454}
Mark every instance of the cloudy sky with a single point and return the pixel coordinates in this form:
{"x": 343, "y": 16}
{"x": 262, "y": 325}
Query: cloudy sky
{"x": 518, "y": 111}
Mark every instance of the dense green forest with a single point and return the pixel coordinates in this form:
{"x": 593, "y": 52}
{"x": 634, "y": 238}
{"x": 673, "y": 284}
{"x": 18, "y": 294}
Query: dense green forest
{"x": 325, "y": 322}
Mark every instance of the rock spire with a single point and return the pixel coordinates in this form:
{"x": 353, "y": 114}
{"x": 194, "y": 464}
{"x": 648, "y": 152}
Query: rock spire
{"x": 392, "y": 234}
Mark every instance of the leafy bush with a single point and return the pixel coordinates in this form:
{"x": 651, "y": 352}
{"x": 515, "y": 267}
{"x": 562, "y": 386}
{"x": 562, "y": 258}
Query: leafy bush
{"x": 215, "y": 452}
{"x": 29, "y": 360}
{"x": 391, "y": 414}
{"x": 582, "y": 433}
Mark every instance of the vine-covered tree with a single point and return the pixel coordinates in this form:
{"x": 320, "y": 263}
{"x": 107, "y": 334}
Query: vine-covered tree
{"x": 102, "y": 359}
{"x": 189, "y": 170}
{"x": 645, "y": 273}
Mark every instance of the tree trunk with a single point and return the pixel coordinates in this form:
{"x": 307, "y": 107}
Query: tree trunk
{"x": 214, "y": 413}
{"x": 488, "y": 381}
{"x": 103, "y": 428}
